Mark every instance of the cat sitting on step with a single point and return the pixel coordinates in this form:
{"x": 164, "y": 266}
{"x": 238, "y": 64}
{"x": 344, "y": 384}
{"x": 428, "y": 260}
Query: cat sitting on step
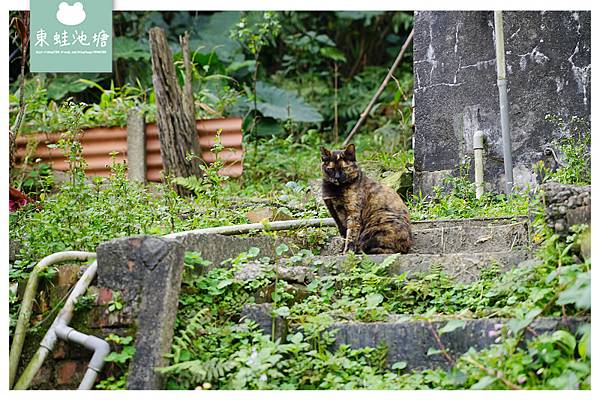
{"x": 371, "y": 217}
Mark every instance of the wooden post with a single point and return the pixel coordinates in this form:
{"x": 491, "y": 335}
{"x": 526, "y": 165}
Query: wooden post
{"x": 178, "y": 135}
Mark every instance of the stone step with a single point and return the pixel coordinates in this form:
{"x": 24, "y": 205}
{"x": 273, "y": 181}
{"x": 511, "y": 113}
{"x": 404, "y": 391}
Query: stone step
{"x": 476, "y": 235}
{"x": 460, "y": 236}
{"x": 463, "y": 267}
{"x": 409, "y": 339}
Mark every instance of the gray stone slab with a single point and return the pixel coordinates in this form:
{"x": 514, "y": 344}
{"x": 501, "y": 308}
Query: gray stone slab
{"x": 548, "y": 64}
{"x": 467, "y": 222}
{"x": 476, "y": 236}
{"x": 462, "y": 267}
{"x": 217, "y": 248}
{"x": 147, "y": 271}
{"x": 409, "y": 340}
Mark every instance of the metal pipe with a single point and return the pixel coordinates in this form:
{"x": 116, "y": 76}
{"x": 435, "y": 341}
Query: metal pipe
{"x": 478, "y": 155}
{"x": 27, "y": 304}
{"x": 504, "y": 111}
{"x": 58, "y": 326}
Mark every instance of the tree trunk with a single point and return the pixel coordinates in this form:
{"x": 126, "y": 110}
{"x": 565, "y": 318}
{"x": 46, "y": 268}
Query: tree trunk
{"x": 177, "y": 130}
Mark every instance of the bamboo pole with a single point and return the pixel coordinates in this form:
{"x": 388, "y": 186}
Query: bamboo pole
{"x": 365, "y": 113}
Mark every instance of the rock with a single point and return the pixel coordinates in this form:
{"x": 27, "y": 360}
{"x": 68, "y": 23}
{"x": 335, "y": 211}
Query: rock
{"x": 566, "y": 205}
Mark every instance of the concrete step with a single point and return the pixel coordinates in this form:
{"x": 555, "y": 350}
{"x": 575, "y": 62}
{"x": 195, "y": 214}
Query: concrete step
{"x": 409, "y": 339}
{"x": 463, "y": 267}
{"x": 475, "y": 235}
{"x": 460, "y": 236}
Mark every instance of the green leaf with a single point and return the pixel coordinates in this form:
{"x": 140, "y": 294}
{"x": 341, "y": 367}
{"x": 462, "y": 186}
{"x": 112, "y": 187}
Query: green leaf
{"x": 568, "y": 380}
{"x": 333, "y": 53}
{"x": 374, "y": 299}
{"x": 483, "y": 383}
{"x": 268, "y": 127}
{"x": 432, "y": 351}
{"x": 282, "y": 248}
{"x": 358, "y": 14}
{"x": 283, "y": 105}
{"x": 63, "y": 84}
{"x": 566, "y": 340}
{"x": 584, "y": 348}
{"x": 579, "y": 293}
{"x": 399, "y": 365}
{"x": 451, "y": 326}
{"x": 127, "y": 48}
{"x": 224, "y": 283}
{"x": 185, "y": 355}
{"x": 253, "y": 252}
{"x": 517, "y": 325}
{"x": 389, "y": 261}
{"x": 297, "y": 338}
{"x": 283, "y": 311}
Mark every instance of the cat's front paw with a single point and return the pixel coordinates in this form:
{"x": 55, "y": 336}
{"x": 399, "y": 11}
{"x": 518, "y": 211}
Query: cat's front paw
{"x": 350, "y": 247}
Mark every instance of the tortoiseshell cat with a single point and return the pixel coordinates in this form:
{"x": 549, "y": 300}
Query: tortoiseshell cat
{"x": 370, "y": 216}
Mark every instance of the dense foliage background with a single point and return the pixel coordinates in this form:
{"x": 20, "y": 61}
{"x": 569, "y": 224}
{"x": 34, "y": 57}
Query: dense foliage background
{"x": 322, "y": 60}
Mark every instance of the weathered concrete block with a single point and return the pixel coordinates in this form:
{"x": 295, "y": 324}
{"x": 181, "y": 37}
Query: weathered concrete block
{"x": 464, "y": 267}
{"x": 548, "y": 67}
{"x": 217, "y": 248}
{"x": 462, "y": 236}
{"x": 410, "y": 340}
{"x": 261, "y": 314}
{"x": 136, "y": 146}
{"x": 147, "y": 270}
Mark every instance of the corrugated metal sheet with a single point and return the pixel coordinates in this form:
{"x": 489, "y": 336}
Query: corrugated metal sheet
{"x": 98, "y": 143}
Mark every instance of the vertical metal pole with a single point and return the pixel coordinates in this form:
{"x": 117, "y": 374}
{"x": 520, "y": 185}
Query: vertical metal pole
{"x": 478, "y": 155}
{"x": 504, "y": 111}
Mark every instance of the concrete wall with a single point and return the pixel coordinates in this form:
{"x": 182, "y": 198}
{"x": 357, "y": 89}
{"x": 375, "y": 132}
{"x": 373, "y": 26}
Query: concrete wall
{"x": 548, "y": 72}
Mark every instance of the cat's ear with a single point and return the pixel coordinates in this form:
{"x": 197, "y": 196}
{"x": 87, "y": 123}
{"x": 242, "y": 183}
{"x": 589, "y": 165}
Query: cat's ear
{"x": 325, "y": 154}
{"x": 350, "y": 152}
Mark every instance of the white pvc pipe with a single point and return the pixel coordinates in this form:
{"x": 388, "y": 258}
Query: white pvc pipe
{"x": 245, "y": 228}
{"x": 27, "y": 303}
{"x": 60, "y": 329}
{"x": 100, "y": 347}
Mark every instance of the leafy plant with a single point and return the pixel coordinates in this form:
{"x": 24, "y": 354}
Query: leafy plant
{"x": 283, "y": 105}
{"x": 121, "y": 359}
{"x": 575, "y": 165}
{"x": 116, "y": 303}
